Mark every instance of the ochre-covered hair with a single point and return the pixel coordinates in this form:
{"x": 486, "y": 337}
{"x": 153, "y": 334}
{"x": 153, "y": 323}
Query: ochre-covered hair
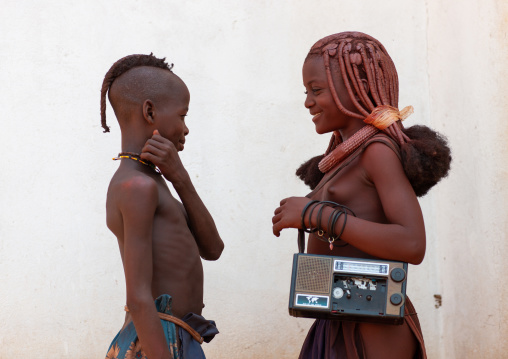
{"x": 122, "y": 66}
{"x": 359, "y": 57}
{"x": 371, "y": 80}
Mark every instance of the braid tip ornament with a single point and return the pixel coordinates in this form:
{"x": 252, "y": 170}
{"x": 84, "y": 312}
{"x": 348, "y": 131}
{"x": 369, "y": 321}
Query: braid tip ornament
{"x": 384, "y": 116}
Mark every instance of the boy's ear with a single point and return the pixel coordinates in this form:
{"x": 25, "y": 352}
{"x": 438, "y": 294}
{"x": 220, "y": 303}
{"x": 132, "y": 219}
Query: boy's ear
{"x": 148, "y": 111}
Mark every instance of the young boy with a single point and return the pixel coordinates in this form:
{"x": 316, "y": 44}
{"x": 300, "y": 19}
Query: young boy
{"x": 161, "y": 240}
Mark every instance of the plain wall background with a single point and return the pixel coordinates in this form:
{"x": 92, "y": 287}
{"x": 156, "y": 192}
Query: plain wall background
{"x": 61, "y": 279}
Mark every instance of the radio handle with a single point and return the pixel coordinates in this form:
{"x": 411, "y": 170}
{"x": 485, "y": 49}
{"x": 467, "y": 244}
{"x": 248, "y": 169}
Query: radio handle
{"x": 301, "y": 241}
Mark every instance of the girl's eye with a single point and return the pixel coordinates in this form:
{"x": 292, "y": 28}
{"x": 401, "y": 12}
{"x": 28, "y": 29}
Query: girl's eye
{"x": 314, "y": 91}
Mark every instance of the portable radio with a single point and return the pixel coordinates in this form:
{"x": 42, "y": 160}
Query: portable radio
{"x": 352, "y": 289}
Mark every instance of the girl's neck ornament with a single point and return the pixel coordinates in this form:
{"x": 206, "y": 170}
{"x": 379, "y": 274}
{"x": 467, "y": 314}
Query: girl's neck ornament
{"x": 383, "y": 118}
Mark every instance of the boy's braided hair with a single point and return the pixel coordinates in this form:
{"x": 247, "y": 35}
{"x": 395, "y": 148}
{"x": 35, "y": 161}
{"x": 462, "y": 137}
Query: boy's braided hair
{"x": 359, "y": 58}
{"x": 122, "y": 66}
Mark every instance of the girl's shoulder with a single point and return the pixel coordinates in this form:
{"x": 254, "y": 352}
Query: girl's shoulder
{"x": 425, "y": 158}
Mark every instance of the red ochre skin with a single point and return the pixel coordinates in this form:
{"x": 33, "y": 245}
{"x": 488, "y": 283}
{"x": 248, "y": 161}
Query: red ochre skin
{"x": 161, "y": 240}
{"x": 389, "y": 222}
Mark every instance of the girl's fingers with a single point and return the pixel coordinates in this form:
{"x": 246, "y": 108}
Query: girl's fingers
{"x": 276, "y": 230}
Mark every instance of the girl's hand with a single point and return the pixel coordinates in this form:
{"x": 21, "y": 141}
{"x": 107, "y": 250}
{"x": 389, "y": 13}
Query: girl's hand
{"x": 289, "y": 214}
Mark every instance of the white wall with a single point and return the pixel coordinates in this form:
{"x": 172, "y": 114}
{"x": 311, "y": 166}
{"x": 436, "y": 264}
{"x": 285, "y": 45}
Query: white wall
{"x": 468, "y": 71}
{"x": 61, "y": 286}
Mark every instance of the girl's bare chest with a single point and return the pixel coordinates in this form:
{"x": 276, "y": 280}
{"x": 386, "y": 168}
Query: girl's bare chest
{"x": 345, "y": 187}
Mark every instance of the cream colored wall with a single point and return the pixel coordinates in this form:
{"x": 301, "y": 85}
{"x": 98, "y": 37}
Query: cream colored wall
{"x": 62, "y": 290}
{"x": 467, "y": 76}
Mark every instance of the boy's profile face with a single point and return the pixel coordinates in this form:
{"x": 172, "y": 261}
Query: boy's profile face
{"x": 170, "y": 118}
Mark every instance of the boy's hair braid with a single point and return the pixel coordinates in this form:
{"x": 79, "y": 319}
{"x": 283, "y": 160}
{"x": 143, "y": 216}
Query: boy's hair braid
{"x": 120, "y": 67}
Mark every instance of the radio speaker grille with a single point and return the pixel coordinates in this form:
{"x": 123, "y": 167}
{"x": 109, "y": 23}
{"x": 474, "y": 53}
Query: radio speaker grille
{"x": 313, "y": 275}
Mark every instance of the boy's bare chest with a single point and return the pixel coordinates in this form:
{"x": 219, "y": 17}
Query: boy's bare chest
{"x": 170, "y": 210}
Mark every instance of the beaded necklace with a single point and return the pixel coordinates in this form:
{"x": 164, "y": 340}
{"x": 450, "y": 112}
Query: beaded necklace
{"x": 136, "y": 157}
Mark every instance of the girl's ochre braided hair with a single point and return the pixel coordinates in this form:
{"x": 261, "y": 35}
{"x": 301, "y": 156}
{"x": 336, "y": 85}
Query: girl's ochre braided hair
{"x": 371, "y": 80}
{"x": 122, "y": 66}
{"x": 359, "y": 58}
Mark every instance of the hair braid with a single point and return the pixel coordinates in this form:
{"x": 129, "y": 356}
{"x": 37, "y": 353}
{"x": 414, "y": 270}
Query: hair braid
{"x": 348, "y": 85}
{"x": 379, "y": 76}
{"x": 122, "y": 66}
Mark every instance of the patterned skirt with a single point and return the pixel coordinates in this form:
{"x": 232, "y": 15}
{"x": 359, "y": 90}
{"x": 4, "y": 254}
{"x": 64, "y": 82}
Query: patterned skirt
{"x": 126, "y": 343}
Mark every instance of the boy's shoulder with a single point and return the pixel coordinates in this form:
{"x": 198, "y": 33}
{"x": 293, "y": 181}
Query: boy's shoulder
{"x": 129, "y": 186}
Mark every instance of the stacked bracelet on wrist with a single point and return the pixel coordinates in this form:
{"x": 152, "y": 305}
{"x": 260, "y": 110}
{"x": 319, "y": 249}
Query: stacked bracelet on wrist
{"x": 338, "y": 210}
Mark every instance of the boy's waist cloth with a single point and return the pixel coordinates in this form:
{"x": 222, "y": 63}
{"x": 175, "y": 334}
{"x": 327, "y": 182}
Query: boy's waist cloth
{"x": 194, "y": 334}
{"x": 193, "y": 328}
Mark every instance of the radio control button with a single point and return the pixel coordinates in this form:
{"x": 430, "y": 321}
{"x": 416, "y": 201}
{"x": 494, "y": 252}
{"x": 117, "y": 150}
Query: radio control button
{"x": 396, "y": 299}
{"x": 398, "y": 274}
{"x": 338, "y": 293}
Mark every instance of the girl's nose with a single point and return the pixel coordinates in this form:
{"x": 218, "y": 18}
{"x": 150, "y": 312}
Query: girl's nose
{"x": 309, "y": 102}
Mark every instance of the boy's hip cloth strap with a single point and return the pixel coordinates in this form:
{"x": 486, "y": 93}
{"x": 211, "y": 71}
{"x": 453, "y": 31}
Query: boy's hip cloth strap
{"x": 181, "y": 324}
{"x": 183, "y": 336}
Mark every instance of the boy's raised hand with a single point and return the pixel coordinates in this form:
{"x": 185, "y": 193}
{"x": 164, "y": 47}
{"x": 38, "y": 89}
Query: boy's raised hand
{"x": 163, "y": 153}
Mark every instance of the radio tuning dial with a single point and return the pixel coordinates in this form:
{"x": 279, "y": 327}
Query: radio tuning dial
{"x": 338, "y": 293}
{"x": 398, "y": 274}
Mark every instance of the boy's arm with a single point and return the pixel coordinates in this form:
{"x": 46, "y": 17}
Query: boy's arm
{"x": 162, "y": 152}
{"x": 139, "y": 198}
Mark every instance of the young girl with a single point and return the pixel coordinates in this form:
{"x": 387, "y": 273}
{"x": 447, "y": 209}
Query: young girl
{"x": 377, "y": 169}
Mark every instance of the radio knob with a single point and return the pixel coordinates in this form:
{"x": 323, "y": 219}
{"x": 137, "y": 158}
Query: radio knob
{"x": 396, "y": 299}
{"x": 398, "y": 274}
{"x": 338, "y": 293}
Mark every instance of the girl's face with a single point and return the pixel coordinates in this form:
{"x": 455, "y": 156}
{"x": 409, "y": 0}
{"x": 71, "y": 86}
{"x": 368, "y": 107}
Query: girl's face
{"x": 319, "y": 100}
